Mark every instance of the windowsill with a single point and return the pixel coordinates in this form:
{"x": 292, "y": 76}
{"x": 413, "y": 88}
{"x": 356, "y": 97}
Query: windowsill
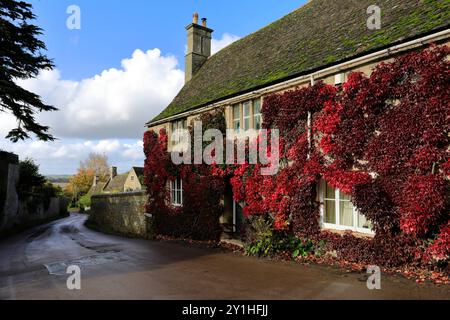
{"x": 354, "y": 233}
{"x": 176, "y": 205}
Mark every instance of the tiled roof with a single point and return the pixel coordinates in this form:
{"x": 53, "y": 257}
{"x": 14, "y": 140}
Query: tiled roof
{"x": 98, "y": 189}
{"x": 139, "y": 171}
{"x": 117, "y": 184}
{"x": 319, "y": 34}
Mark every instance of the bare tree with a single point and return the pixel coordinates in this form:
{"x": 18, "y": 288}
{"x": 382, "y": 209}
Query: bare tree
{"x": 97, "y": 164}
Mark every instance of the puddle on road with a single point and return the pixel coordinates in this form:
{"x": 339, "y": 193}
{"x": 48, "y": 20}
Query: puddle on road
{"x": 59, "y": 268}
{"x": 68, "y": 229}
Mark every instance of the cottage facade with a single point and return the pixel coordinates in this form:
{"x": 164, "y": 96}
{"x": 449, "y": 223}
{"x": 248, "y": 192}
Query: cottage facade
{"x": 321, "y": 41}
{"x": 117, "y": 183}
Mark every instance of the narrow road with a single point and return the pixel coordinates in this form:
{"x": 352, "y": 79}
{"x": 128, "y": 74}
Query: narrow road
{"x": 33, "y": 266}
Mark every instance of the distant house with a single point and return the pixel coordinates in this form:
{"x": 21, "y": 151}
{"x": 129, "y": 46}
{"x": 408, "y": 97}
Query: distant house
{"x": 132, "y": 180}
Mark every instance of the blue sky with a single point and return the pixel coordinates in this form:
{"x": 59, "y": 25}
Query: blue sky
{"x": 113, "y": 29}
{"x": 121, "y": 69}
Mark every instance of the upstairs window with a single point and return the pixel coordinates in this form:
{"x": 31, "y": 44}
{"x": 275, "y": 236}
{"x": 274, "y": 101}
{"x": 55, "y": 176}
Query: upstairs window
{"x": 177, "y": 136}
{"x": 246, "y": 109}
{"x": 176, "y": 192}
{"x": 339, "y": 79}
{"x": 257, "y": 118}
{"x": 237, "y": 118}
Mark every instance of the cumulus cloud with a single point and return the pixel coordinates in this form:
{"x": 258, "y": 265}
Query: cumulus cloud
{"x": 113, "y": 104}
{"x": 226, "y": 40}
{"x": 64, "y": 157}
{"x": 105, "y": 113}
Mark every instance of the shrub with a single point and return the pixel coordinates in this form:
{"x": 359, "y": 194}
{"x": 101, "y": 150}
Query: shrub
{"x": 84, "y": 202}
{"x": 264, "y": 241}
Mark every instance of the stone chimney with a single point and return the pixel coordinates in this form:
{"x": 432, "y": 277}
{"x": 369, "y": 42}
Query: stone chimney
{"x": 113, "y": 172}
{"x": 96, "y": 180}
{"x": 198, "y": 46}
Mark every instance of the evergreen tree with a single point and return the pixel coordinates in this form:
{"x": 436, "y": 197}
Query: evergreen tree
{"x": 21, "y": 57}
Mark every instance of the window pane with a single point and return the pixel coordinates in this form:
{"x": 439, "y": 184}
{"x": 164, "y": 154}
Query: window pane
{"x": 344, "y": 196}
{"x": 257, "y": 122}
{"x": 247, "y": 109}
{"x": 330, "y": 193}
{"x": 257, "y": 106}
{"x": 246, "y": 123}
{"x": 236, "y": 112}
{"x": 237, "y": 126}
{"x": 178, "y": 197}
{"x": 330, "y": 211}
{"x": 346, "y": 213}
{"x": 363, "y": 222}
{"x": 172, "y": 187}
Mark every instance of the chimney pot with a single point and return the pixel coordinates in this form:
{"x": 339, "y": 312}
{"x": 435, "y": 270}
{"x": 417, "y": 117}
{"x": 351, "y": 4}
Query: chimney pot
{"x": 113, "y": 172}
{"x": 96, "y": 179}
{"x": 198, "y": 47}
{"x": 195, "y": 18}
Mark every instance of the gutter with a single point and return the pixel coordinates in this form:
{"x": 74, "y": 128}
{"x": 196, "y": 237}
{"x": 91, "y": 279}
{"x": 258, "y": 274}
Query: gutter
{"x": 297, "y": 80}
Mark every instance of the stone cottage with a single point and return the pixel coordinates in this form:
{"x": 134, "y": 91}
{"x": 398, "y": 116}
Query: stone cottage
{"x": 322, "y": 40}
{"x": 131, "y": 181}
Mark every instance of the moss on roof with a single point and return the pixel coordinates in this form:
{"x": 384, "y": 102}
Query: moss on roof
{"x": 117, "y": 184}
{"x": 320, "y": 33}
{"x": 98, "y": 189}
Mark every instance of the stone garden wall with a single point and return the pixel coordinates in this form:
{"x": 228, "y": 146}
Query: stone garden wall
{"x": 122, "y": 213}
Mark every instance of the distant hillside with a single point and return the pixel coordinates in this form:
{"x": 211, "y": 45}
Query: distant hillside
{"x": 58, "y": 178}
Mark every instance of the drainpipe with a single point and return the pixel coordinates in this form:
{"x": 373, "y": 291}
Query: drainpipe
{"x": 309, "y": 125}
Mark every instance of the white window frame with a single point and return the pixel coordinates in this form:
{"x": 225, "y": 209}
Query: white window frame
{"x": 339, "y": 79}
{"x": 337, "y": 225}
{"x": 176, "y": 186}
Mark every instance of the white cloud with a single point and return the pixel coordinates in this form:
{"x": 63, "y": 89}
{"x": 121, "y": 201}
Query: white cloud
{"x": 226, "y": 40}
{"x": 105, "y": 113}
{"x": 64, "y": 157}
{"x": 113, "y": 104}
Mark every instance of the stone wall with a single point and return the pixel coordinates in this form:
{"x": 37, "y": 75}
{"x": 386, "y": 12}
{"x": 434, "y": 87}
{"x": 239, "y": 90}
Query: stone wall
{"x": 14, "y": 214}
{"x": 122, "y": 213}
{"x": 9, "y": 200}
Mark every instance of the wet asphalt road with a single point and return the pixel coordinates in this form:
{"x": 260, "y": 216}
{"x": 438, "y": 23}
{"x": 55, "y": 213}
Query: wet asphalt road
{"x": 33, "y": 266}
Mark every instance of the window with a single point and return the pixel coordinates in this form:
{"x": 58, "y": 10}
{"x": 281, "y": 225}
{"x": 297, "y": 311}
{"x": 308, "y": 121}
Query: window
{"x": 339, "y": 79}
{"x": 176, "y": 192}
{"x": 257, "y": 119}
{"x": 132, "y": 178}
{"x": 237, "y": 118}
{"x": 246, "y": 108}
{"x": 177, "y": 136}
{"x": 338, "y": 211}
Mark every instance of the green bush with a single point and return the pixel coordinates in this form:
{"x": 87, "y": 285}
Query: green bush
{"x": 33, "y": 188}
{"x": 263, "y": 241}
{"x": 84, "y": 202}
